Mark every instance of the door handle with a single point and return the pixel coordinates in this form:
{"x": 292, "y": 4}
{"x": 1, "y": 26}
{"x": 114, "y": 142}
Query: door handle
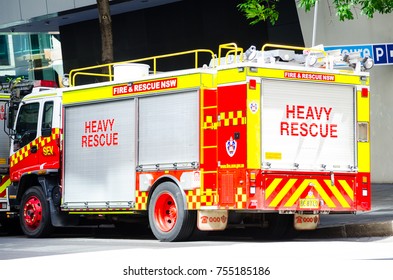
{"x": 34, "y": 149}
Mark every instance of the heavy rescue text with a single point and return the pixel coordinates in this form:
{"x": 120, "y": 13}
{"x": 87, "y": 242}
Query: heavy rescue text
{"x": 99, "y": 133}
{"x": 312, "y": 121}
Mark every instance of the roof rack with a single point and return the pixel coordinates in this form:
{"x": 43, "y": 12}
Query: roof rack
{"x": 106, "y": 70}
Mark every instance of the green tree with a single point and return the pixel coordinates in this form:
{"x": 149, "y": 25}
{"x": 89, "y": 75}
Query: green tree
{"x": 257, "y": 10}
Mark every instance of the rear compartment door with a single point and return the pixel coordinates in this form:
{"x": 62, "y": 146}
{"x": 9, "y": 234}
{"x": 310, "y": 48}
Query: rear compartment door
{"x": 308, "y": 126}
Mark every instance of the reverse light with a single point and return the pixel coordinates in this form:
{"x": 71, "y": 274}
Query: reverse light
{"x": 253, "y": 177}
{"x": 362, "y": 131}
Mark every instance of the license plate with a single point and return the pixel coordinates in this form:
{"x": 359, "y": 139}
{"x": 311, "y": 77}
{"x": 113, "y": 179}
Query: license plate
{"x": 309, "y": 203}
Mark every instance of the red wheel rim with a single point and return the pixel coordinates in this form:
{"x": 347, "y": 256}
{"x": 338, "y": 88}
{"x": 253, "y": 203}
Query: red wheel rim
{"x": 32, "y": 212}
{"x": 165, "y": 212}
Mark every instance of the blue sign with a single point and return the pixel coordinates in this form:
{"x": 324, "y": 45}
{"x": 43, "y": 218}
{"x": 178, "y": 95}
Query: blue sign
{"x": 382, "y": 54}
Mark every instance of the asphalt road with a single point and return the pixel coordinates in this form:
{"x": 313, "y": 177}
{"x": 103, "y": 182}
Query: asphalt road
{"x": 377, "y": 222}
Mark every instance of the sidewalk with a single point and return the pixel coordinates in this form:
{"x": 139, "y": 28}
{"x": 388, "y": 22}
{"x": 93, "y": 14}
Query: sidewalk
{"x": 377, "y": 222}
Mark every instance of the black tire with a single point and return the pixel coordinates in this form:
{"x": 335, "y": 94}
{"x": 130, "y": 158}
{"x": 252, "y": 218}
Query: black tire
{"x": 34, "y": 213}
{"x": 168, "y": 219}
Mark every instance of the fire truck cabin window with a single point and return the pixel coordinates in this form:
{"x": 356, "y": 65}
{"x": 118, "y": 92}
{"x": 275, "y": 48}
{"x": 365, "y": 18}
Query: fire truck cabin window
{"x": 46, "y": 126}
{"x": 26, "y": 126}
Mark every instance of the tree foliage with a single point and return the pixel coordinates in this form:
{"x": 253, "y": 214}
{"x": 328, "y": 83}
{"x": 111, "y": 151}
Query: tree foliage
{"x": 258, "y": 10}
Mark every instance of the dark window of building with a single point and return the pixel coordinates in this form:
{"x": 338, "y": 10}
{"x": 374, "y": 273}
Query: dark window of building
{"x": 4, "y": 55}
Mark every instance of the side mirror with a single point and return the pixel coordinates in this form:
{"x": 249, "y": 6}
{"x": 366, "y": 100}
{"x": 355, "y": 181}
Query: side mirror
{"x": 46, "y": 132}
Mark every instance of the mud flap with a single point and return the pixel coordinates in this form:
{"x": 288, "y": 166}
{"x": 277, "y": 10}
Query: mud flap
{"x": 58, "y": 218}
{"x": 209, "y": 220}
{"x": 306, "y": 221}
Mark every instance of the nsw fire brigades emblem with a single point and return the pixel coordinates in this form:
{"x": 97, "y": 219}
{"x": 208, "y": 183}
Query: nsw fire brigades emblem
{"x": 231, "y": 146}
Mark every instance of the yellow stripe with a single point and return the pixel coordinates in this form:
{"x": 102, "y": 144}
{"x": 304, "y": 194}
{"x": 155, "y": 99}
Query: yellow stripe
{"x": 343, "y": 78}
{"x": 5, "y": 185}
{"x": 272, "y": 187}
{"x": 43, "y": 95}
{"x": 74, "y": 95}
{"x": 298, "y": 192}
{"x": 347, "y": 188}
{"x": 337, "y": 194}
{"x": 324, "y": 195}
{"x": 283, "y": 192}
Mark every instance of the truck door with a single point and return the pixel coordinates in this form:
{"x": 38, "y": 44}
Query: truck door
{"x": 32, "y": 147}
{"x": 49, "y": 154}
{"x": 232, "y": 140}
{"x": 23, "y": 152}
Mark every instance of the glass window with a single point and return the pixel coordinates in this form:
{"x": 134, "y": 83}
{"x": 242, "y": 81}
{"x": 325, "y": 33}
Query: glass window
{"x": 26, "y": 126}
{"x": 4, "y": 53}
{"x": 46, "y": 126}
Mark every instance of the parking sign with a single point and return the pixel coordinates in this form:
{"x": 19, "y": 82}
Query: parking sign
{"x": 382, "y": 54}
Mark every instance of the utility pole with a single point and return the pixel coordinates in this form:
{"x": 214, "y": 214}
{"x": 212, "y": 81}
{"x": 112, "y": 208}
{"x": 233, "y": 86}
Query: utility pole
{"x": 314, "y": 28}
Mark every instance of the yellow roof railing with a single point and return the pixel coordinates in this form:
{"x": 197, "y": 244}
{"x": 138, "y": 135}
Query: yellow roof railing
{"x": 106, "y": 70}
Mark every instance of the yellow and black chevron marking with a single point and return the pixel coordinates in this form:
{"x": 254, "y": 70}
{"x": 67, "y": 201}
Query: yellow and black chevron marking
{"x": 286, "y": 192}
{"x": 232, "y": 118}
{"x": 39, "y": 143}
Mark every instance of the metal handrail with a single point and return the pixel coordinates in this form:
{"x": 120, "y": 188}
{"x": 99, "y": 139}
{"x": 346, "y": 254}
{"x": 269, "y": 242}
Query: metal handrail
{"x": 106, "y": 69}
{"x": 292, "y": 48}
{"x": 232, "y": 48}
{"x": 304, "y": 49}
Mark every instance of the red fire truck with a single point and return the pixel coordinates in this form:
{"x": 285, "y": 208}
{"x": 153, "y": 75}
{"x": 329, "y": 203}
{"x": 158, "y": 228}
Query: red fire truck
{"x": 11, "y": 93}
{"x": 270, "y": 138}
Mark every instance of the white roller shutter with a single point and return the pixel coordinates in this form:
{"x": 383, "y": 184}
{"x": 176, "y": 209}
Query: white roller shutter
{"x": 99, "y": 150}
{"x": 307, "y": 126}
{"x": 168, "y": 128}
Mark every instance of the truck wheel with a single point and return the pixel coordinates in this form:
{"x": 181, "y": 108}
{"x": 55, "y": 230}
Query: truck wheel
{"x": 169, "y": 221}
{"x": 34, "y": 213}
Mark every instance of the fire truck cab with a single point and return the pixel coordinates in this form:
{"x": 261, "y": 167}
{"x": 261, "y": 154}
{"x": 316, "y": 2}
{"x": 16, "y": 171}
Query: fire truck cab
{"x": 268, "y": 138}
{"x": 4, "y": 153}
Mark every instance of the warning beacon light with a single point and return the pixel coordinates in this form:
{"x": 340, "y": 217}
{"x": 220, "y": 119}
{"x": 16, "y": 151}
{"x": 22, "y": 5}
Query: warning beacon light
{"x": 368, "y": 63}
